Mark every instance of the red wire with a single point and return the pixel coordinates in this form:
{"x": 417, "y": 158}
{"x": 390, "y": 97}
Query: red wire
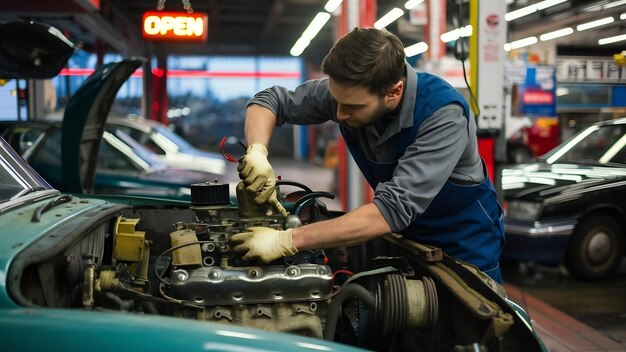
{"x": 342, "y": 271}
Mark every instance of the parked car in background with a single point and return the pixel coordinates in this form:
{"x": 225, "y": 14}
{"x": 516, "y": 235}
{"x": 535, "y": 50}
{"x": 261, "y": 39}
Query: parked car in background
{"x": 569, "y": 206}
{"x": 120, "y": 168}
{"x": 170, "y": 148}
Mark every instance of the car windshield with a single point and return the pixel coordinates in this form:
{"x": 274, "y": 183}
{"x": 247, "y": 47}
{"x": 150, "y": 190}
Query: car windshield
{"x": 600, "y": 144}
{"x": 132, "y": 152}
{"x": 17, "y": 178}
{"x": 170, "y": 136}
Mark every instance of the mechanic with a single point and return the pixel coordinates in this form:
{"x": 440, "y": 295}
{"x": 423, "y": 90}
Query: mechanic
{"x": 412, "y": 135}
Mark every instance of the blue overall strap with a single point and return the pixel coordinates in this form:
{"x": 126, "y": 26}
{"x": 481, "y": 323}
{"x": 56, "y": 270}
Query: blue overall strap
{"x": 432, "y": 94}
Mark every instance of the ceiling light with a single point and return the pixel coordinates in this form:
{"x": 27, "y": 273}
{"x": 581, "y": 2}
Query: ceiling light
{"x": 332, "y": 5}
{"x": 524, "y": 11}
{"x": 622, "y": 16}
{"x": 593, "y": 24}
{"x": 412, "y": 3}
{"x": 316, "y": 25}
{"x": 609, "y": 40}
{"x": 391, "y": 16}
{"x": 556, "y": 34}
{"x": 299, "y": 46}
{"x": 415, "y": 49}
{"x": 520, "y": 43}
{"x": 614, "y": 4}
{"x": 548, "y": 3}
{"x": 456, "y": 33}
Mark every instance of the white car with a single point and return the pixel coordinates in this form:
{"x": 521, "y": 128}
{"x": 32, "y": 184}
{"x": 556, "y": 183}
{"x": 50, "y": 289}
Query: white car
{"x": 169, "y": 148}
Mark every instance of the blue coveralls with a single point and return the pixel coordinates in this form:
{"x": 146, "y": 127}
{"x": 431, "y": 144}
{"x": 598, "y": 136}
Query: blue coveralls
{"x": 465, "y": 221}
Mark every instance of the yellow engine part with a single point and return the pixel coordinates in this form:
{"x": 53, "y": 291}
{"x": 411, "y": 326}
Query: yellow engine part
{"x": 185, "y": 255}
{"x": 129, "y": 243}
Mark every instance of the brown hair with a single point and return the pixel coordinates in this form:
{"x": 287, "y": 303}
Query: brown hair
{"x": 366, "y": 57}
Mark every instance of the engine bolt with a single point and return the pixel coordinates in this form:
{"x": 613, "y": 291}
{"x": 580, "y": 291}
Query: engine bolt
{"x": 181, "y": 275}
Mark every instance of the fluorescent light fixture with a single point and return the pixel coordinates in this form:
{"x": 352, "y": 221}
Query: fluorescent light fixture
{"x": 609, "y": 40}
{"x": 548, "y": 3}
{"x": 415, "y": 49}
{"x": 412, "y": 3}
{"x": 299, "y": 46}
{"x": 316, "y": 25}
{"x": 391, "y": 16}
{"x": 614, "y": 4}
{"x": 456, "y": 33}
{"x": 556, "y": 34}
{"x": 596, "y": 23}
{"x": 622, "y": 16}
{"x": 332, "y": 5}
{"x": 525, "y": 11}
{"x": 520, "y": 43}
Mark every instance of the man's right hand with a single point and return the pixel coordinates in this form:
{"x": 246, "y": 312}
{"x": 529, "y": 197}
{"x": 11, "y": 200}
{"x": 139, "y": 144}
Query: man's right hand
{"x": 257, "y": 174}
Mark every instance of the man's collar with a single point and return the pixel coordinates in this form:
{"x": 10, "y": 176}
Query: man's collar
{"x": 408, "y": 98}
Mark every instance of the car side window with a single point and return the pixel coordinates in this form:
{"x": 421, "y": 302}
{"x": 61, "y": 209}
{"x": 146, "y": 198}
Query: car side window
{"x": 110, "y": 158}
{"x": 143, "y": 138}
{"x": 50, "y": 151}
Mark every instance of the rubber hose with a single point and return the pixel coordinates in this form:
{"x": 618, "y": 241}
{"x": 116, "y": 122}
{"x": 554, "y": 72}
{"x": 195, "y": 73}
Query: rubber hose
{"x": 349, "y": 290}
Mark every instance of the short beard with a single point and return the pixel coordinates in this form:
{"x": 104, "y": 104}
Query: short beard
{"x": 380, "y": 112}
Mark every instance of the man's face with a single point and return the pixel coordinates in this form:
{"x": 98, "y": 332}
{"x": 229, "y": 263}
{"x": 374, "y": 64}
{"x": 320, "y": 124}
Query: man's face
{"x": 357, "y": 107}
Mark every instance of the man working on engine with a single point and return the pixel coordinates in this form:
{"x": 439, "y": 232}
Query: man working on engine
{"x": 413, "y": 137}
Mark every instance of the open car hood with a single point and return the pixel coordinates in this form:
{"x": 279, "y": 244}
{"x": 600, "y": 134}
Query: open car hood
{"x": 31, "y": 49}
{"x": 84, "y": 122}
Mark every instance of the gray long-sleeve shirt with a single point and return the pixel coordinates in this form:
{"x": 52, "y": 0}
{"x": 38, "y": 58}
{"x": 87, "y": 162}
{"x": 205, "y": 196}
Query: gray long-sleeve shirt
{"x": 445, "y": 147}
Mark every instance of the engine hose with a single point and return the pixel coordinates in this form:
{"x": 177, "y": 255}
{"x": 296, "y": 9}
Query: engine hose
{"x": 347, "y": 291}
{"x": 307, "y": 199}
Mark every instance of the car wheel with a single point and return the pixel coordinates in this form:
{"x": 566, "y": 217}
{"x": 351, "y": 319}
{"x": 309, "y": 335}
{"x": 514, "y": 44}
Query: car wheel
{"x": 596, "y": 248}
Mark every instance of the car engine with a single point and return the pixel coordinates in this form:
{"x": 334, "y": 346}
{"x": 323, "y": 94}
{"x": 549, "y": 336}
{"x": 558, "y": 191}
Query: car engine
{"x": 390, "y": 294}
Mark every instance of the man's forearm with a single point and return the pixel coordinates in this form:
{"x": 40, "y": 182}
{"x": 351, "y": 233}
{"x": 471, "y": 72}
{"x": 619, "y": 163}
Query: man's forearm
{"x": 357, "y": 226}
{"x": 260, "y": 123}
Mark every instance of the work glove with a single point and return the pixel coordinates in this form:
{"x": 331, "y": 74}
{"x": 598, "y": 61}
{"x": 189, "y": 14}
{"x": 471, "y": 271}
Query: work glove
{"x": 264, "y": 244}
{"x": 257, "y": 173}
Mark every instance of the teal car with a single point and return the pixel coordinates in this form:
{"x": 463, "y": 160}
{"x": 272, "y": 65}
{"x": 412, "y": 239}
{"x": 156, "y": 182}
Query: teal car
{"x": 110, "y": 272}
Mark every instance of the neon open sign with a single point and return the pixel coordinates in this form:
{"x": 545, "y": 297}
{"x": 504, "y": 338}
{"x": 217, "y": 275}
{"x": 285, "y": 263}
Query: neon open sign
{"x": 174, "y": 26}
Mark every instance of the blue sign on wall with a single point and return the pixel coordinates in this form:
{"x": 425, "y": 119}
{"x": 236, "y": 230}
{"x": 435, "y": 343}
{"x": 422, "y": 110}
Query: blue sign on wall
{"x": 537, "y": 96}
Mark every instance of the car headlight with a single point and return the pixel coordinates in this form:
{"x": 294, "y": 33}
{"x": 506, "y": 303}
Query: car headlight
{"x": 524, "y": 210}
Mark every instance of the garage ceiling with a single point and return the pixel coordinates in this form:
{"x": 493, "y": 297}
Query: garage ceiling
{"x": 271, "y": 27}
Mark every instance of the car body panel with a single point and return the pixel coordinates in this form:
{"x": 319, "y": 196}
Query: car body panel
{"x": 110, "y": 331}
{"x": 32, "y": 49}
{"x": 84, "y": 123}
{"x": 19, "y": 231}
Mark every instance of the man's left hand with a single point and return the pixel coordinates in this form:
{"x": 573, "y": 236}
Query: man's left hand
{"x": 264, "y": 244}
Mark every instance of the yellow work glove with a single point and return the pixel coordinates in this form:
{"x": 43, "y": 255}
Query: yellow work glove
{"x": 257, "y": 174}
{"x": 264, "y": 244}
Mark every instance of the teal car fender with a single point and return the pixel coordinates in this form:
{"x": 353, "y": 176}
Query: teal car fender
{"x": 111, "y": 331}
